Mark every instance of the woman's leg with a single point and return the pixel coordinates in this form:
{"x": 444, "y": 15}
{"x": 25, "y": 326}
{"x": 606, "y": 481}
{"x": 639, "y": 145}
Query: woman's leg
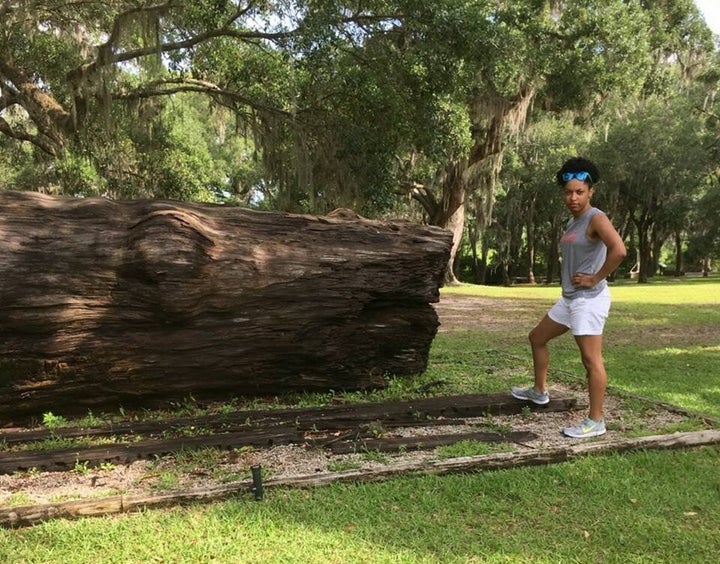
{"x": 539, "y": 337}
{"x": 591, "y": 354}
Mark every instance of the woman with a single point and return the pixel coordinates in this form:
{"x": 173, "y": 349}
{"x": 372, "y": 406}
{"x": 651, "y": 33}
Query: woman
{"x": 591, "y": 250}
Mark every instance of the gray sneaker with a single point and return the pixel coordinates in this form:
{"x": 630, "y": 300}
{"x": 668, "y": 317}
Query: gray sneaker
{"x": 529, "y": 394}
{"x": 586, "y": 428}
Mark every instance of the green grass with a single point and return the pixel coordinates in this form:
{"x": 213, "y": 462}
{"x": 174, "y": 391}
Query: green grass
{"x": 472, "y": 448}
{"x": 669, "y": 291}
{"x": 647, "y": 507}
{"x": 661, "y": 341}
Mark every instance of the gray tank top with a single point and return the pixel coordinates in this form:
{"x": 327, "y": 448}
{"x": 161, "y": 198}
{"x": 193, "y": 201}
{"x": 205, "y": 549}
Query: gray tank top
{"x": 580, "y": 254}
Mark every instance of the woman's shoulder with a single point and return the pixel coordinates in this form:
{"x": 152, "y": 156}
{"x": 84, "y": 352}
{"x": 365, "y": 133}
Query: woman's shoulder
{"x": 595, "y": 214}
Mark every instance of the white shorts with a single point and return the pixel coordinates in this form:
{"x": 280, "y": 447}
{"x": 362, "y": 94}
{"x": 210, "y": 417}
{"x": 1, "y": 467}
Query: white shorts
{"x": 583, "y": 316}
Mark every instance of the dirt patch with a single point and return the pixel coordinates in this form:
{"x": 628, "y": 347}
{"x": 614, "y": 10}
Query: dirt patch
{"x": 459, "y": 313}
{"x": 288, "y": 461}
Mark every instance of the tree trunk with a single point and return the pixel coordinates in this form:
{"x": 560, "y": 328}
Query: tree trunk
{"x": 455, "y": 224}
{"x": 552, "y": 258}
{"x": 106, "y": 304}
{"x": 642, "y": 224}
{"x": 479, "y": 261}
{"x": 706, "y": 266}
{"x": 484, "y": 254}
{"x": 530, "y": 229}
{"x": 679, "y": 266}
{"x": 657, "y": 240}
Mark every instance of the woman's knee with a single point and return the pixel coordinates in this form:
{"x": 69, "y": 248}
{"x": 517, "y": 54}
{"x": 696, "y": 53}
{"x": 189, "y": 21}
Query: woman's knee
{"x": 593, "y": 363}
{"x": 545, "y": 331}
{"x": 537, "y": 338}
{"x": 532, "y": 336}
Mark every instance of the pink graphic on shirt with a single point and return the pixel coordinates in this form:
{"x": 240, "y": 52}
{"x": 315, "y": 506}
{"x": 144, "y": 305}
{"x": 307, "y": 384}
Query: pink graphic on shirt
{"x": 569, "y": 237}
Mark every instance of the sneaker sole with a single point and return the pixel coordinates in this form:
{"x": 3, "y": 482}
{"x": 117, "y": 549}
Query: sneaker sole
{"x": 536, "y": 402}
{"x": 586, "y": 435}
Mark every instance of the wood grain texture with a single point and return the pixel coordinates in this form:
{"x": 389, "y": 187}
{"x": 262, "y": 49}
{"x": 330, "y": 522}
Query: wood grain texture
{"x": 106, "y": 304}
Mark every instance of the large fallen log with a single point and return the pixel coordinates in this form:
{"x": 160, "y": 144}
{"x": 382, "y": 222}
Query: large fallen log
{"x": 106, "y": 304}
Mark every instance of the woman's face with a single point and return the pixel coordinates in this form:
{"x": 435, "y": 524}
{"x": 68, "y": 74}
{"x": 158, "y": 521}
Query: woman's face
{"x": 577, "y": 196}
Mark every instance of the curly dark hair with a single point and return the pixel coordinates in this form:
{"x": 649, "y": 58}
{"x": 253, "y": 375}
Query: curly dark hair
{"x": 578, "y": 164}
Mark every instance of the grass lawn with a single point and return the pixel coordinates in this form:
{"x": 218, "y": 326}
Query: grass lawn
{"x": 661, "y": 342}
{"x": 662, "y": 339}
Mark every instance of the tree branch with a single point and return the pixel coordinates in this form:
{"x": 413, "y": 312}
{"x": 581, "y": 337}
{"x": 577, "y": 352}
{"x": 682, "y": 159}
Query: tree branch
{"x": 225, "y": 31}
{"x": 420, "y": 194}
{"x": 42, "y": 109}
{"x": 174, "y": 86}
{"x": 37, "y": 140}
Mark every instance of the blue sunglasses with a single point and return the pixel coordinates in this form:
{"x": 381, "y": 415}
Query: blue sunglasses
{"x": 581, "y": 176}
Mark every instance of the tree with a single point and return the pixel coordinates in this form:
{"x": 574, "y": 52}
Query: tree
{"x": 677, "y": 34}
{"x": 90, "y": 80}
{"x": 528, "y": 180}
{"x": 566, "y": 55}
{"x": 656, "y": 159}
{"x": 334, "y": 103}
{"x": 704, "y": 239}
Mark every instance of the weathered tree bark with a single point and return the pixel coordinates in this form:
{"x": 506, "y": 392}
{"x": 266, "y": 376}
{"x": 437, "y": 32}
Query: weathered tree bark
{"x": 106, "y": 304}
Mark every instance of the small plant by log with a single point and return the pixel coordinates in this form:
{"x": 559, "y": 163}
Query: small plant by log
{"x": 106, "y": 304}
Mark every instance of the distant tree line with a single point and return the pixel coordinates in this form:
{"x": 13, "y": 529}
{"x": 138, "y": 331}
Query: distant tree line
{"x": 451, "y": 112}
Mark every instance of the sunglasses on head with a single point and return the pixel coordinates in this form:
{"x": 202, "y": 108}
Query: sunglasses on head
{"x": 582, "y": 176}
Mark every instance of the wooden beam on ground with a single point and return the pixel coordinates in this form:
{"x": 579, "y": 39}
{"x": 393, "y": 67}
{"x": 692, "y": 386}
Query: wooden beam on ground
{"x": 64, "y": 459}
{"x": 30, "y": 515}
{"x": 408, "y": 444}
{"x": 259, "y": 428}
{"x": 344, "y": 416}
